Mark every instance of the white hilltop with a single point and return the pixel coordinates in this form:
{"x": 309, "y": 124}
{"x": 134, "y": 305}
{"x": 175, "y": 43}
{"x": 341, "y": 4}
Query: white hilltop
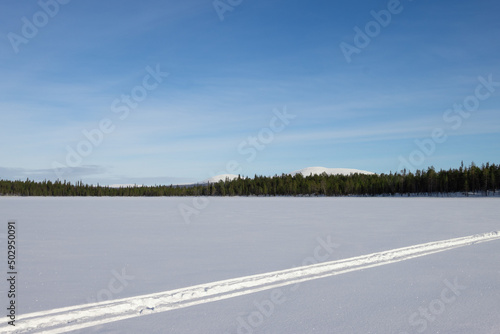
{"x": 123, "y": 185}
{"x": 329, "y": 171}
{"x": 217, "y": 178}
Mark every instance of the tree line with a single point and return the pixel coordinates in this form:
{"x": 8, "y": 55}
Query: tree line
{"x": 466, "y": 180}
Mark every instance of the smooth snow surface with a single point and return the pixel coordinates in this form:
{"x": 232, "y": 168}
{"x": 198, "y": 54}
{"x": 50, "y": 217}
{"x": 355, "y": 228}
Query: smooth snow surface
{"x": 141, "y": 256}
{"x": 329, "y": 171}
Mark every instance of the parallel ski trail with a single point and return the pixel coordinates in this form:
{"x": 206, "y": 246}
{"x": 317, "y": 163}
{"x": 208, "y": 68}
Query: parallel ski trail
{"x": 83, "y": 316}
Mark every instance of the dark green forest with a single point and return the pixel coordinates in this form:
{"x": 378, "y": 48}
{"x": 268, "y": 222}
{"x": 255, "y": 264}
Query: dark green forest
{"x": 466, "y": 180}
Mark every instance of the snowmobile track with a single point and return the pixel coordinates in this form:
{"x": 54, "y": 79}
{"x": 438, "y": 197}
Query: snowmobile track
{"x": 83, "y": 316}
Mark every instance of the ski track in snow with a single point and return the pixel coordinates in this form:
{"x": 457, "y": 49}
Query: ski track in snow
{"x": 83, "y": 316}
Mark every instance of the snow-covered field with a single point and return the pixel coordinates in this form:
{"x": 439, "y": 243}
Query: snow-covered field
{"x": 75, "y": 251}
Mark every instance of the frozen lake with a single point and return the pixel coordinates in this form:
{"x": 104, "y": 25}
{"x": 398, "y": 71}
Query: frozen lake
{"x": 74, "y": 251}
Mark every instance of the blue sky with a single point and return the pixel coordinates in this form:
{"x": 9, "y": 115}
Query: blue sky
{"x": 67, "y": 67}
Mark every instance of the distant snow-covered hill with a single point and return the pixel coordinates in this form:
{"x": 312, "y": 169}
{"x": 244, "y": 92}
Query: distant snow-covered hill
{"x": 330, "y": 171}
{"x": 305, "y": 171}
{"x": 123, "y": 185}
{"x": 223, "y": 177}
